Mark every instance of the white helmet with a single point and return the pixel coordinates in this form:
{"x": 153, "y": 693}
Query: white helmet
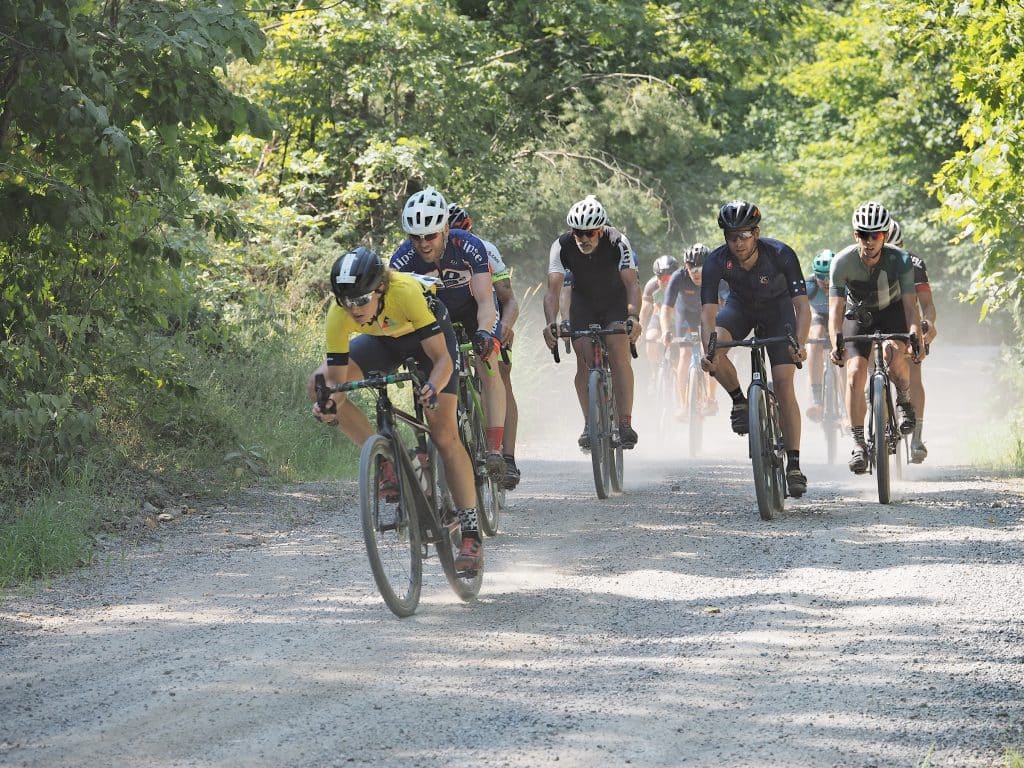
{"x": 425, "y": 213}
{"x": 871, "y": 217}
{"x": 587, "y": 214}
{"x": 895, "y": 235}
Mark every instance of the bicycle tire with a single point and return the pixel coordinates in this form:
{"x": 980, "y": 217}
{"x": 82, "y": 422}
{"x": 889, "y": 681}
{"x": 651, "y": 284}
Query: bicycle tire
{"x": 596, "y": 422}
{"x": 899, "y": 454}
{"x": 466, "y": 586}
{"x": 615, "y": 455}
{"x": 778, "y": 452}
{"x": 830, "y": 414}
{"x": 391, "y": 532}
{"x": 762, "y": 451}
{"x": 880, "y": 425}
{"x": 486, "y": 487}
{"x": 696, "y": 395}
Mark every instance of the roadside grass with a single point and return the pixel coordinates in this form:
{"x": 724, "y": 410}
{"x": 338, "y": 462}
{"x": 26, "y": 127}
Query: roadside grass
{"x": 1011, "y": 759}
{"x": 999, "y": 445}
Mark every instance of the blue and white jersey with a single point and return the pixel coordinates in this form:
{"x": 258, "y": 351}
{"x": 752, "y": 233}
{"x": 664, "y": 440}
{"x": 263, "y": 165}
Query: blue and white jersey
{"x": 464, "y": 255}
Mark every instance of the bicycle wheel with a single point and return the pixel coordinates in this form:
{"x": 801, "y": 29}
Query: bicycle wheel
{"x": 390, "y": 530}
{"x": 778, "y": 452}
{"x": 465, "y": 585}
{"x": 615, "y": 457}
{"x": 597, "y": 421}
{"x": 488, "y": 497}
{"x": 762, "y": 452}
{"x": 696, "y": 398}
{"x": 879, "y": 425}
{"x": 830, "y": 414}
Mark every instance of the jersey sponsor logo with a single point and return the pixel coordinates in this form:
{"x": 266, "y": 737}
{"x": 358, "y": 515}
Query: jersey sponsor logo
{"x": 764, "y": 280}
{"x": 729, "y": 264}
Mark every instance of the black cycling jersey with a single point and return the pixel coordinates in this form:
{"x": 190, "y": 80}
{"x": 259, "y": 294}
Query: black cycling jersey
{"x": 596, "y": 278}
{"x": 775, "y": 276}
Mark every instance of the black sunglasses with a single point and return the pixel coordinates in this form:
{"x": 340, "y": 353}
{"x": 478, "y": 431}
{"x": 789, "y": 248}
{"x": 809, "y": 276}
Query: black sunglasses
{"x": 861, "y": 235}
{"x": 585, "y": 232}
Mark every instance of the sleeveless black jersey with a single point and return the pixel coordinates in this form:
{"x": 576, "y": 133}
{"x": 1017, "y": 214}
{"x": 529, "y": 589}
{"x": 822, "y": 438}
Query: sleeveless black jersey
{"x": 596, "y": 277}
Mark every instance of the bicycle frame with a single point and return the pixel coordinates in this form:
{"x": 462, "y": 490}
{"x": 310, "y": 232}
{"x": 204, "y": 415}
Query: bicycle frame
{"x": 765, "y": 438}
{"x": 883, "y": 435}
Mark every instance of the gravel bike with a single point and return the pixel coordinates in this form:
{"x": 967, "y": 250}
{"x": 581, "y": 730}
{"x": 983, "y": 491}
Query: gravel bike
{"x": 884, "y": 438}
{"x": 400, "y": 528}
{"x": 665, "y": 393}
{"x": 602, "y": 410}
{"x": 490, "y": 493}
{"x": 698, "y": 401}
{"x": 833, "y": 402}
{"x": 764, "y": 423}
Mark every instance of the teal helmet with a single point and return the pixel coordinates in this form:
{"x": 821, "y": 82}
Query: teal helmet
{"x": 822, "y": 262}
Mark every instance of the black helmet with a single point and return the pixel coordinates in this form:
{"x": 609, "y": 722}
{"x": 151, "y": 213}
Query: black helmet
{"x": 739, "y": 214}
{"x": 665, "y": 265}
{"x": 357, "y": 273}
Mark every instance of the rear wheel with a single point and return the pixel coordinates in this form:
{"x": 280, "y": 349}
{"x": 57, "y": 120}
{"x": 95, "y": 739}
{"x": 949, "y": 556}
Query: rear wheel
{"x": 390, "y": 531}
{"x": 762, "y": 453}
{"x": 615, "y": 468}
{"x": 487, "y": 488}
{"x": 597, "y": 420}
{"x": 879, "y": 425}
{"x": 830, "y": 414}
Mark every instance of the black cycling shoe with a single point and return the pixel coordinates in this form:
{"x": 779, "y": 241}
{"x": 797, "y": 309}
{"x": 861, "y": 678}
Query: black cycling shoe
{"x": 584, "y": 441}
{"x": 627, "y": 436}
{"x": 859, "y": 459}
{"x": 796, "y": 482}
{"x": 738, "y": 417}
{"x": 908, "y": 419}
{"x": 512, "y": 474}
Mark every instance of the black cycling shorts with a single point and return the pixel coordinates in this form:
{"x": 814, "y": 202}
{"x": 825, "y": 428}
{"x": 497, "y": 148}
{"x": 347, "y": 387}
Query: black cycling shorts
{"x": 892, "y": 319}
{"x": 581, "y": 316}
{"x": 768, "y": 319}
{"x": 386, "y": 353}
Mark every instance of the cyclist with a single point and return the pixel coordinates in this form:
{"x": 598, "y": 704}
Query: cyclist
{"x": 650, "y": 308}
{"x": 680, "y": 314}
{"x": 459, "y": 260}
{"x": 817, "y": 296}
{"x": 508, "y": 307}
{"x": 766, "y": 293}
{"x": 926, "y": 305}
{"x": 872, "y": 289}
{"x": 395, "y": 316}
{"x": 605, "y": 291}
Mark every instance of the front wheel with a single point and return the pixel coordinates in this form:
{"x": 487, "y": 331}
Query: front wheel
{"x": 830, "y": 413}
{"x": 390, "y": 528}
{"x": 879, "y": 425}
{"x": 696, "y": 399}
{"x": 597, "y": 423}
{"x": 763, "y": 454}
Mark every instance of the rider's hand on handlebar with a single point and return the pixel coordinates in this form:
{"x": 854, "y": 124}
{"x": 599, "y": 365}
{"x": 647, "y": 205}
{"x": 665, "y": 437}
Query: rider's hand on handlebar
{"x": 838, "y": 356}
{"x": 633, "y": 329}
{"x": 551, "y": 335}
{"x": 427, "y": 395}
{"x": 326, "y": 415}
{"x": 707, "y": 365}
{"x": 798, "y": 354}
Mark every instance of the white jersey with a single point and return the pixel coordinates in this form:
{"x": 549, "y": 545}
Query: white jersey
{"x": 498, "y": 269}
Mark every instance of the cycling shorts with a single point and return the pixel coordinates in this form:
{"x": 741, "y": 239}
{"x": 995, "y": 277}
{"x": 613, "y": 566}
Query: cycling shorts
{"x": 386, "y": 353}
{"x": 768, "y": 319}
{"x": 892, "y": 319}
{"x": 581, "y": 316}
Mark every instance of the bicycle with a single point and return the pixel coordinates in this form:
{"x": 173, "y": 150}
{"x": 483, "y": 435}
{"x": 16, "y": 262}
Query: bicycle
{"x": 602, "y": 411}
{"x": 883, "y": 435}
{"x": 833, "y": 404}
{"x": 490, "y": 493}
{"x": 764, "y": 424}
{"x": 698, "y": 400}
{"x": 665, "y": 393}
{"x": 399, "y": 531}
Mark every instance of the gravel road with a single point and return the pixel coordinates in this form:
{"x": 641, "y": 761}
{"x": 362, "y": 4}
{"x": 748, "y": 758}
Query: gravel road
{"x": 669, "y": 626}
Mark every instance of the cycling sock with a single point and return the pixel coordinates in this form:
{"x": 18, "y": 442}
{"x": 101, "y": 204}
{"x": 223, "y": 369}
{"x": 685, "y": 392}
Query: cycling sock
{"x": 858, "y": 435}
{"x": 494, "y": 437}
{"x": 737, "y": 395}
{"x": 509, "y": 457}
{"x": 627, "y": 420}
{"x": 816, "y": 394}
{"x": 792, "y": 460}
{"x": 468, "y": 521}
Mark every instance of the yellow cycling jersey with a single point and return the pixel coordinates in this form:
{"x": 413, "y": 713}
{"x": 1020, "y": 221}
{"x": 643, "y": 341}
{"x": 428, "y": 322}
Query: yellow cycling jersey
{"x": 405, "y": 311}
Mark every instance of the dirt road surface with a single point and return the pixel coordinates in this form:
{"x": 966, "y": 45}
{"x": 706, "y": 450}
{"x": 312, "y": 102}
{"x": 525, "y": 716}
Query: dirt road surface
{"x": 669, "y": 626}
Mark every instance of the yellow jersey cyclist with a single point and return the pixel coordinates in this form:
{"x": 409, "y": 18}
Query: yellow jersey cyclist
{"x": 508, "y": 309}
{"x": 817, "y": 297}
{"x": 872, "y": 289}
{"x": 926, "y": 305}
{"x": 458, "y": 259}
{"x": 380, "y": 318}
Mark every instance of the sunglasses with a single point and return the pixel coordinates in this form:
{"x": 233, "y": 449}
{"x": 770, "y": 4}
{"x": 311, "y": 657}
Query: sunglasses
{"x": 426, "y": 238}
{"x": 868, "y": 235}
{"x": 352, "y": 302}
{"x": 739, "y": 237}
{"x": 585, "y": 233}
